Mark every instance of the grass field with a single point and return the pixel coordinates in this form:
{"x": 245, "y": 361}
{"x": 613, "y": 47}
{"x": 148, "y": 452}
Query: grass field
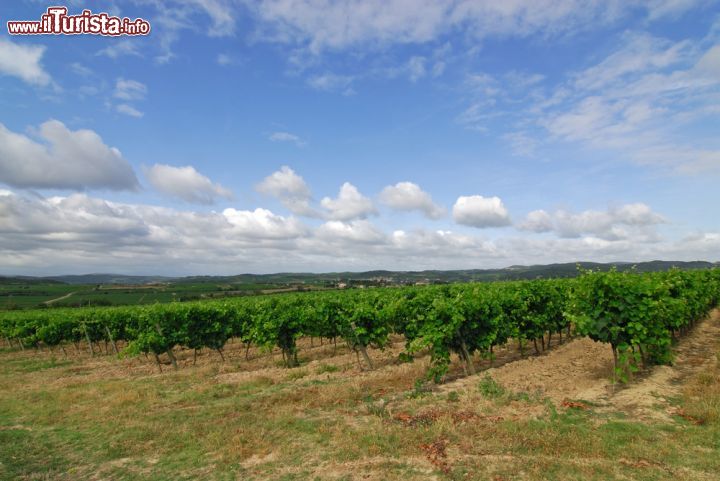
{"x": 547, "y": 417}
{"x": 30, "y": 295}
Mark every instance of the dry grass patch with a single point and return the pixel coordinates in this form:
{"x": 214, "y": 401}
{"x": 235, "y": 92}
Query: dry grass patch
{"x": 701, "y": 395}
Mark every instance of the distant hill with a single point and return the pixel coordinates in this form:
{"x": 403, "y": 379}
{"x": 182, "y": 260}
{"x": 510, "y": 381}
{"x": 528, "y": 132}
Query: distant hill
{"x": 108, "y": 279}
{"x": 25, "y": 280}
{"x": 507, "y": 273}
{"x": 382, "y": 276}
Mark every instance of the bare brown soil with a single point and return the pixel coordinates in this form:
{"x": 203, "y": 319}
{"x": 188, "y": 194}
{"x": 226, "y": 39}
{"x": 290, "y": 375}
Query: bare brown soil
{"x": 581, "y": 370}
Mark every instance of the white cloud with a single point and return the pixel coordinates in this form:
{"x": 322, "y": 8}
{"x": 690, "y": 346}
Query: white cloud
{"x": 120, "y": 47}
{"x": 481, "y": 212}
{"x": 416, "y": 68}
{"x": 94, "y": 233}
{"x": 408, "y": 196}
{"x": 129, "y": 110}
{"x": 185, "y": 183}
{"x": 62, "y": 159}
{"x": 327, "y": 26}
{"x": 99, "y": 235}
{"x": 658, "y": 9}
{"x": 127, "y": 89}
{"x": 261, "y": 223}
{"x": 332, "y": 26}
{"x": 636, "y": 103}
{"x": 221, "y": 14}
{"x": 640, "y": 53}
{"x": 290, "y": 189}
{"x": 442, "y": 243}
{"x": 356, "y": 231}
{"x": 350, "y": 204}
{"x": 330, "y": 82}
{"x": 286, "y": 137}
{"x": 23, "y": 62}
{"x": 224, "y": 59}
{"x": 537, "y": 221}
{"x": 80, "y": 69}
{"x": 628, "y": 221}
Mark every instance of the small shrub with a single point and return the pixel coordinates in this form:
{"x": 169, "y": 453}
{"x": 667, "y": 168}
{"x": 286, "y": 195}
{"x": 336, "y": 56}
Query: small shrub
{"x": 490, "y": 388}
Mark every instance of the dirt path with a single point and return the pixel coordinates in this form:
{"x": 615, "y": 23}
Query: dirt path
{"x": 582, "y": 370}
{"x": 648, "y": 398}
{"x": 52, "y": 301}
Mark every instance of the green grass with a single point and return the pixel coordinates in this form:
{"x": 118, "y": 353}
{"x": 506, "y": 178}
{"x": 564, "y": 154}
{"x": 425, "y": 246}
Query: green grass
{"x": 327, "y": 368}
{"x": 489, "y": 388}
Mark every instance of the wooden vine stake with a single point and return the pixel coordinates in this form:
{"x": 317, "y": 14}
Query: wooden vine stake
{"x": 87, "y": 337}
{"x": 112, "y": 341}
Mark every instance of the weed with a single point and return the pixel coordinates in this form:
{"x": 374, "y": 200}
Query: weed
{"x": 327, "y": 368}
{"x": 421, "y": 389}
{"x": 490, "y": 388}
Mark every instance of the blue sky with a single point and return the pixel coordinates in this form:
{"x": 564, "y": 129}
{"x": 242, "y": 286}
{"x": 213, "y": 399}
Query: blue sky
{"x": 307, "y": 135}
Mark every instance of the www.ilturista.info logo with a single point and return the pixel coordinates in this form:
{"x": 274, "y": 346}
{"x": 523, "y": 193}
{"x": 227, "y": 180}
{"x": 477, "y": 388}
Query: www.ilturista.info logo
{"x": 56, "y": 21}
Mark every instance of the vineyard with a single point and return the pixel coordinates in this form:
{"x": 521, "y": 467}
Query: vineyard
{"x": 638, "y": 315}
{"x": 374, "y": 384}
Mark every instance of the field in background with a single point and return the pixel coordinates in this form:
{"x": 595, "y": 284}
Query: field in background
{"x": 553, "y": 416}
{"x": 25, "y": 295}
{"x": 111, "y": 289}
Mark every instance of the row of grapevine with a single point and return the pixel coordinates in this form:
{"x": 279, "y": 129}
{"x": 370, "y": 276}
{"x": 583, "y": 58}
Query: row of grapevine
{"x": 638, "y": 314}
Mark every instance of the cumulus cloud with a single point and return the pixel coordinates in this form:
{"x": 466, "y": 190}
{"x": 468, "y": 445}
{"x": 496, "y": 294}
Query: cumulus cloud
{"x": 408, "y": 196}
{"x": 23, "y": 62}
{"x": 185, "y": 183}
{"x": 481, "y": 212}
{"x": 61, "y": 158}
{"x": 621, "y": 222}
{"x": 290, "y": 189}
{"x": 95, "y": 232}
{"x": 442, "y": 243}
{"x": 99, "y": 235}
{"x": 356, "y": 231}
{"x": 537, "y": 221}
{"x": 350, "y": 204}
{"x": 262, "y": 223}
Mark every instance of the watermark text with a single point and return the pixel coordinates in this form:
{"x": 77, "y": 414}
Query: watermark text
{"x": 56, "y": 21}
